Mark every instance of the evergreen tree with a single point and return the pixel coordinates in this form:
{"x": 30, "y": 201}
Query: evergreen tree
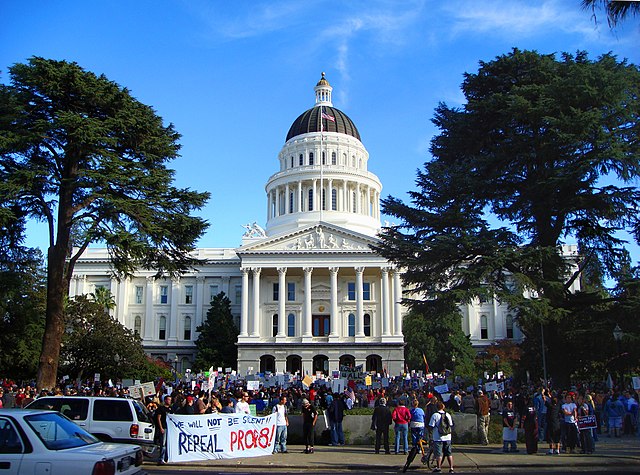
{"x": 544, "y": 151}
{"x": 78, "y": 152}
{"x": 218, "y": 337}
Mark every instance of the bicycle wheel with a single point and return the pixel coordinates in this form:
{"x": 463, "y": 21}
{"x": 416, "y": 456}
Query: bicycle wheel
{"x": 412, "y": 454}
{"x": 429, "y": 459}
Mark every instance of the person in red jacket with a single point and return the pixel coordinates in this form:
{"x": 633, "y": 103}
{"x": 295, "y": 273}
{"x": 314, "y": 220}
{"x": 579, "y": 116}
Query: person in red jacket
{"x": 401, "y": 417}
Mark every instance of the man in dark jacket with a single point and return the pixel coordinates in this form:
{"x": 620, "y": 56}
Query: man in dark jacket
{"x": 380, "y": 421}
{"x": 335, "y": 412}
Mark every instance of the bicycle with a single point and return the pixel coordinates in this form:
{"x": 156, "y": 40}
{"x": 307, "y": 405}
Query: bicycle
{"x": 427, "y": 458}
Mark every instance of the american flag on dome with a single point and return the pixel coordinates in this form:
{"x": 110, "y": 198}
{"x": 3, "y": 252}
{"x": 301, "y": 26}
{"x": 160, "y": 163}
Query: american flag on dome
{"x": 328, "y": 117}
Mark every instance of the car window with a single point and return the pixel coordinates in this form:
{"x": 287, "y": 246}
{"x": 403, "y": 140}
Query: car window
{"x": 74, "y": 408}
{"x": 111, "y": 410}
{"x": 142, "y": 412}
{"x": 57, "y": 433}
{"x": 10, "y": 442}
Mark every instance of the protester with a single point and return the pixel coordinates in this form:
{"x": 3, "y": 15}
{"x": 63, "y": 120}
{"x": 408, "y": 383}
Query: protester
{"x": 509, "y": 429}
{"x": 569, "y": 410}
{"x": 483, "y": 408}
{"x": 529, "y": 422}
{"x": 242, "y": 406}
{"x": 401, "y": 417}
{"x": 282, "y": 422}
{"x": 553, "y": 422}
{"x": 309, "y": 418}
{"x": 161, "y": 428}
{"x": 335, "y": 413}
{"x": 417, "y": 422}
{"x": 380, "y": 422}
{"x": 441, "y": 426}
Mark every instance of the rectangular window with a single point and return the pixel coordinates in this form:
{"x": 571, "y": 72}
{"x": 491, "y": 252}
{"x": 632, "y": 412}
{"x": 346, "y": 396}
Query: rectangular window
{"x": 187, "y": 328}
{"x": 139, "y": 291}
{"x": 484, "y": 328}
{"x": 320, "y": 324}
{"x": 291, "y": 325}
{"x": 162, "y": 333}
{"x": 291, "y": 291}
{"x": 213, "y": 291}
{"x": 188, "y": 294}
{"x": 366, "y": 291}
{"x": 238, "y": 294}
{"x": 276, "y": 291}
{"x": 164, "y": 294}
{"x": 351, "y": 290}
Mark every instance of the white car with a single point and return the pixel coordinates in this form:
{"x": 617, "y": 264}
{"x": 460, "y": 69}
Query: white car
{"x": 47, "y": 443}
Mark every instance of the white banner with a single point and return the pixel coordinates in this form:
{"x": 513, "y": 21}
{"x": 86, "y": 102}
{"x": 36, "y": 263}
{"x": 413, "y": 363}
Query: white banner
{"x": 219, "y": 436}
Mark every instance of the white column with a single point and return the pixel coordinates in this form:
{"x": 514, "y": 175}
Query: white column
{"x": 330, "y": 195}
{"x": 397, "y": 299}
{"x": 345, "y": 197}
{"x": 199, "y": 300}
{"x": 359, "y": 305}
{"x": 173, "y": 317}
{"x": 282, "y": 298}
{"x": 244, "y": 313}
{"x": 147, "y": 331}
{"x": 358, "y": 199}
{"x": 316, "y": 207}
{"x": 255, "y": 331}
{"x": 306, "y": 317}
{"x": 287, "y": 199}
{"x": 122, "y": 306}
{"x": 298, "y": 200}
{"x": 385, "y": 301}
{"x": 334, "y": 302}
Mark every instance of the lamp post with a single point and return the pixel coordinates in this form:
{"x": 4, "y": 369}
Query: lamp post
{"x": 617, "y": 336}
{"x": 453, "y": 370}
{"x": 175, "y": 368}
{"x": 116, "y": 358}
{"x": 496, "y": 360}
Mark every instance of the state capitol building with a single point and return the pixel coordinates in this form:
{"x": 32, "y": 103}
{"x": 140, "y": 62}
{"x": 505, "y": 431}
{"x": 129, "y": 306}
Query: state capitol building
{"x": 307, "y": 292}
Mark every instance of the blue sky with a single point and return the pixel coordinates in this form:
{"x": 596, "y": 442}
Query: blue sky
{"x": 233, "y": 76}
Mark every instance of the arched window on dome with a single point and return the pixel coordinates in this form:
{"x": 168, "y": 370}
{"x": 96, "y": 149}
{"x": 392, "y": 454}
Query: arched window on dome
{"x": 344, "y": 159}
{"x": 354, "y": 202}
{"x": 291, "y": 161}
{"x": 334, "y": 158}
{"x": 360, "y": 163}
{"x": 352, "y": 325}
{"x": 324, "y": 162}
{"x": 310, "y": 158}
{"x": 353, "y": 161}
{"x": 334, "y": 199}
{"x": 310, "y": 199}
{"x": 301, "y": 160}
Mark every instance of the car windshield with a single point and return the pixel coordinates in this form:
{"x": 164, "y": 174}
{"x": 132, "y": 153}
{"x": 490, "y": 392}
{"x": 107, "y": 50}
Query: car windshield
{"x": 57, "y": 432}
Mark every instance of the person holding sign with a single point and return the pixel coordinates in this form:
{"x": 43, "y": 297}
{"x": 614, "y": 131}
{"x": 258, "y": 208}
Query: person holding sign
{"x": 586, "y": 434}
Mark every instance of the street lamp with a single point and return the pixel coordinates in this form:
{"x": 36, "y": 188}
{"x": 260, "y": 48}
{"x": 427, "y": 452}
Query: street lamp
{"x": 617, "y": 336}
{"x": 453, "y": 371}
{"x": 496, "y": 359}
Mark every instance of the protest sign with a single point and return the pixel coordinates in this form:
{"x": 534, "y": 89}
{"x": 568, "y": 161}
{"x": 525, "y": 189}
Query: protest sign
{"x": 219, "y": 436}
{"x": 636, "y": 382}
{"x": 491, "y": 386}
{"x": 253, "y": 385}
{"x": 587, "y": 422}
{"x": 442, "y": 388}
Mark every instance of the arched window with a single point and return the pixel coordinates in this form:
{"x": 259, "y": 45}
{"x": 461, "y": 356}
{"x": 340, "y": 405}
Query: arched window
{"x": 310, "y": 199}
{"x": 292, "y": 162}
{"x": 310, "y": 158}
{"x": 353, "y": 161}
{"x": 187, "y": 328}
{"x": 344, "y": 159}
{"x": 334, "y": 158}
{"x": 509, "y": 326}
{"x": 334, "y": 199}
{"x": 301, "y": 160}
{"x": 367, "y": 324}
{"x": 162, "y": 325}
{"x": 352, "y": 324}
{"x": 275, "y": 325}
{"x": 291, "y": 325}
{"x": 484, "y": 328}
{"x": 137, "y": 324}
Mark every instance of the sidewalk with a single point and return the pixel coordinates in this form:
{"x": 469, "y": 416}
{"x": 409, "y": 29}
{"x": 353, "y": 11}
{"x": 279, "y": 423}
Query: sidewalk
{"x": 622, "y": 453}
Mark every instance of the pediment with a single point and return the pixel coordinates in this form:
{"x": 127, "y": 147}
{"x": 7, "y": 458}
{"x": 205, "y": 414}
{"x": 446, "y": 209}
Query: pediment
{"x": 320, "y": 238}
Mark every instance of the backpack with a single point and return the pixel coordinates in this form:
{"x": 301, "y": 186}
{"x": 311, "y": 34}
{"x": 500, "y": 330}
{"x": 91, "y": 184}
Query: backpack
{"x": 444, "y": 426}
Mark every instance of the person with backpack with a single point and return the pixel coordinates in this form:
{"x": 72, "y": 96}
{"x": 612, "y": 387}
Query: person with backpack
{"x": 441, "y": 426}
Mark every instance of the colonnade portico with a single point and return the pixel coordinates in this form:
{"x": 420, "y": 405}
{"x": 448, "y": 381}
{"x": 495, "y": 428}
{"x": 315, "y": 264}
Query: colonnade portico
{"x": 384, "y": 304}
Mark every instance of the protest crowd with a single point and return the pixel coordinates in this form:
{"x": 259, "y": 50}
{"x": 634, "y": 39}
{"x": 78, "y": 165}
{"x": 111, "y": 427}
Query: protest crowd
{"x": 564, "y": 420}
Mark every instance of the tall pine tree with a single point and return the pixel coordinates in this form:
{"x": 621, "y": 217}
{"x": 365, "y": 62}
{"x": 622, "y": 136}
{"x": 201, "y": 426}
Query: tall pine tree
{"x": 218, "y": 337}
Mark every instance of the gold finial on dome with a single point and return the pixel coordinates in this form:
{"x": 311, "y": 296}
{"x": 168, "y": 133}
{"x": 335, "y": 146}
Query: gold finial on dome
{"x": 323, "y": 81}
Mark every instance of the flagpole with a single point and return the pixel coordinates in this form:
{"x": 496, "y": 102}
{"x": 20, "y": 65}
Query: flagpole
{"x": 321, "y": 161}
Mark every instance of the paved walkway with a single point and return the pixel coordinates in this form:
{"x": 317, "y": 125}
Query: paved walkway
{"x": 623, "y": 453}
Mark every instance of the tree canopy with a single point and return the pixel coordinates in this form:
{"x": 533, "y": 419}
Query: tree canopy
{"x": 216, "y": 343}
{"x": 615, "y": 10}
{"x": 544, "y": 152}
{"x": 78, "y": 152}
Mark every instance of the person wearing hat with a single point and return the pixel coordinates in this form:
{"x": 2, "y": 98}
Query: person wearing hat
{"x": 380, "y": 422}
{"x": 483, "y": 410}
{"x": 188, "y": 408}
{"x": 309, "y": 418}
